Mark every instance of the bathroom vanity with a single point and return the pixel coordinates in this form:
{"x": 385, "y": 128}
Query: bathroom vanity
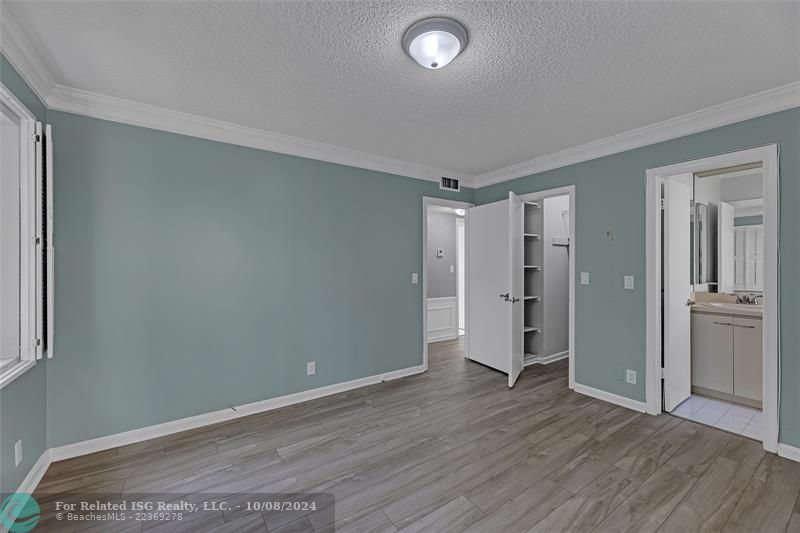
{"x": 727, "y": 352}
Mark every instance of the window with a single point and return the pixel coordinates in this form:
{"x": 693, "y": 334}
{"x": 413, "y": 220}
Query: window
{"x": 749, "y": 258}
{"x": 10, "y": 226}
{"x": 25, "y": 224}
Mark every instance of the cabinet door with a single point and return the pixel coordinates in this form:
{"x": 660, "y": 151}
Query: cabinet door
{"x": 712, "y": 352}
{"x": 747, "y": 358}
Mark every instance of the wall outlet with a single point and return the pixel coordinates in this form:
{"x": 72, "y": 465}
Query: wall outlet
{"x": 629, "y": 282}
{"x": 311, "y": 368}
{"x": 630, "y": 376}
{"x": 584, "y": 278}
{"x": 414, "y": 278}
{"x": 18, "y": 452}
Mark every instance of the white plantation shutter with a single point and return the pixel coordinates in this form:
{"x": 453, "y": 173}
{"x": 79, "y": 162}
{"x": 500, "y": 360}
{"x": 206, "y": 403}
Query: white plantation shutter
{"x": 39, "y": 227}
{"x": 50, "y": 250}
{"x": 749, "y": 258}
{"x": 44, "y": 241}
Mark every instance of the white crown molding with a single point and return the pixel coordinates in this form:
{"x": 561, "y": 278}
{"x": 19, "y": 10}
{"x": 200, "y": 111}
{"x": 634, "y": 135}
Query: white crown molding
{"x": 97, "y": 105}
{"x": 752, "y": 106}
{"x": 17, "y": 49}
{"x": 20, "y": 54}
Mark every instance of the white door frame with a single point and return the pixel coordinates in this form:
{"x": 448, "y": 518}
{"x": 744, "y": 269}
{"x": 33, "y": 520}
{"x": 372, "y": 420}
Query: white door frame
{"x": 568, "y": 190}
{"x": 768, "y": 155}
{"x": 461, "y": 271}
{"x": 428, "y": 201}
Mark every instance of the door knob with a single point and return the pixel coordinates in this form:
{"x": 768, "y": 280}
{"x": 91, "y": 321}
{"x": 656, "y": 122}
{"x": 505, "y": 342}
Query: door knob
{"x": 689, "y": 303}
{"x": 504, "y": 296}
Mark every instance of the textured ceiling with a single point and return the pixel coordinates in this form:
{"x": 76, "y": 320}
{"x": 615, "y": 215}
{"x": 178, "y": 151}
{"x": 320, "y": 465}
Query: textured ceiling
{"x": 535, "y": 78}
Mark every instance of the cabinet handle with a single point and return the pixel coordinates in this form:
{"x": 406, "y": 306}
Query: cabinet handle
{"x": 723, "y": 323}
{"x": 741, "y": 326}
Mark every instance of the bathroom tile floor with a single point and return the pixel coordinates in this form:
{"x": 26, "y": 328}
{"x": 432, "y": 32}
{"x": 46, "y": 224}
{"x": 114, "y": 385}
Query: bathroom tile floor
{"x": 739, "y": 419}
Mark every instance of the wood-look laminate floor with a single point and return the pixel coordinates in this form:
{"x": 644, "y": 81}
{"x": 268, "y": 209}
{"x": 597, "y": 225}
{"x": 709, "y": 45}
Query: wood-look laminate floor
{"x": 455, "y": 450}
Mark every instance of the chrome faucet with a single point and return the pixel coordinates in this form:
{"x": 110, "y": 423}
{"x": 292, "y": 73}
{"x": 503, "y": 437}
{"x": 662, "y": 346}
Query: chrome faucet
{"x": 749, "y": 299}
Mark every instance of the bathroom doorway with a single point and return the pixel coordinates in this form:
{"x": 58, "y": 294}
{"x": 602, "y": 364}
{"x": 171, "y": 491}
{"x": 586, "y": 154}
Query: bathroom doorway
{"x": 712, "y": 311}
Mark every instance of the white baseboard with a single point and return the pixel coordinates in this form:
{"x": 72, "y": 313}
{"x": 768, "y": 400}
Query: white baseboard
{"x": 31, "y": 481}
{"x": 59, "y": 453}
{"x": 168, "y": 428}
{"x": 611, "y": 398}
{"x": 547, "y": 359}
{"x": 789, "y": 452}
{"x": 35, "y": 474}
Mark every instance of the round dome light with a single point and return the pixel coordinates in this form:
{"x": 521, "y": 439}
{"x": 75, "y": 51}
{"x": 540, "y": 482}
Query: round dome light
{"x": 435, "y": 42}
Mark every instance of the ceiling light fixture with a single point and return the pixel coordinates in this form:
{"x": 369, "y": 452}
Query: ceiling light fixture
{"x": 435, "y": 42}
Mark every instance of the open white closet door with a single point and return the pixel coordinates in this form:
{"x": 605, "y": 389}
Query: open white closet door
{"x": 488, "y": 287}
{"x": 516, "y": 262}
{"x": 677, "y": 290}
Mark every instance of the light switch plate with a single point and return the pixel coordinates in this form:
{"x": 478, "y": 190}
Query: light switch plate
{"x": 452, "y": 269}
{"x": 414, "y": 278}
{"x": 630, "y": 376}
{"x": 584, "y": 278}
{"x": 18, "y": 452}
{"x": 629, "y": 282}
{"x": 311, "y": 368}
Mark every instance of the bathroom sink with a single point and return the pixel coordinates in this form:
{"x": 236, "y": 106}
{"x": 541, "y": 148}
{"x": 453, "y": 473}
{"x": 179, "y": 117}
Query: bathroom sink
{"x": 749, "y": 309}
{"x": 729, "y": 304}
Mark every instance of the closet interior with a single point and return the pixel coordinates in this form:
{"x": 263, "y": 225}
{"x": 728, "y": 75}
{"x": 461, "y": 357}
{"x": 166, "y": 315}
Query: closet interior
{"x": 546, "y": 250}
{"x": 533, "y": 253}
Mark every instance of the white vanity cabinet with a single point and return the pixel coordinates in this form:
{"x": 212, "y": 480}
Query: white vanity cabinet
{"x": 747, "y": 358}
{"x": 712, "y": 352}
{"x": 727, "y": 357}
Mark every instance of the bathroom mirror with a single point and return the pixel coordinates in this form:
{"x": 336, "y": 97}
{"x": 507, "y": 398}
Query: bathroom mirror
{"x": 727, "y": 231}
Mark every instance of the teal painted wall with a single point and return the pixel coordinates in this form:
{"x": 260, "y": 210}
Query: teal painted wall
{"x": 753, "y": 220}
{"x": 610, "y": 194}
{"x": 194, "y": 275}
{"x": 22, "y": 402}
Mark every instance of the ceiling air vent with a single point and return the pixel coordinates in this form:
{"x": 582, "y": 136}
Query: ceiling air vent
{"x": 449, "y": 184}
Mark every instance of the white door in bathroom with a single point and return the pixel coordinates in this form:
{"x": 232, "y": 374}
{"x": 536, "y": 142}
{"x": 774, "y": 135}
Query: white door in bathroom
{"x": 677, "y": 289}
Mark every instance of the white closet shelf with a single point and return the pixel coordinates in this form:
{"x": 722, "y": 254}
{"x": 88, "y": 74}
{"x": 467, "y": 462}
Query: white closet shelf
{"x": 532, "y": 235}
{"x": 532, "y": 204}
{"x": 531, "y": 329}
{"x": 531, "y": 267}
{"x": 531, "y": 298}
